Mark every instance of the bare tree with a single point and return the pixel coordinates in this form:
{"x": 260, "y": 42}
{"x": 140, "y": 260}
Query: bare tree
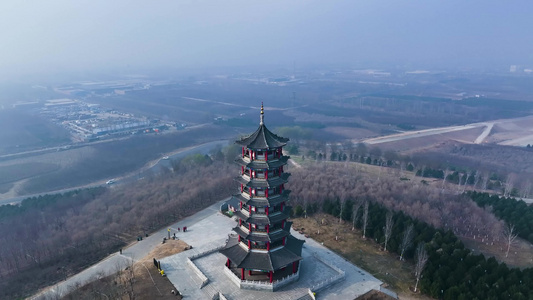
{"x": 466, "y": 181}
{"x": 510, "y": 236}
{"x": 380, "y": 166}
{"x": 389, "y": 223}
{"x": 486, "y": 178}
{"x": 342, "y": 201}
{"x": 526, "y": 188}
{"x": 421, "y": 260}
{"x": 407, "y": 240}
{"x": 509, "y": 184}
{"x": 365, "y": 217}
{"x": 444, "y": 179}
{"x": 355, "y": 213}
{"x": 477, "y": 177}
{"x": 319, "y": 223}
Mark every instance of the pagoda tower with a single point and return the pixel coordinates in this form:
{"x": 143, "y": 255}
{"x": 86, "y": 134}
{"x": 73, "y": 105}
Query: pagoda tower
{"x": 262, "y": 248}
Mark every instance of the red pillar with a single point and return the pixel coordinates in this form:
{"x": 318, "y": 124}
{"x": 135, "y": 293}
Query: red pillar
{"x": 240, "y": 222}
{"x": 242, "y": 187}
{"x": 242, "y": 274}
{"x": 250, "y": 272}
{"x": 249, "y": 244}
{"x": 271, "y": 273}
{"x": 228, "y": 263}
{"x": 266, "y": 192}
{"x": 268, "y": 246}
{"x": 293, "y": 267}
{"x": 266, "y": 155}
{"x": 266, "y": 210}
{"x": 250, "y": 227}
{"x": 268, "y": 228}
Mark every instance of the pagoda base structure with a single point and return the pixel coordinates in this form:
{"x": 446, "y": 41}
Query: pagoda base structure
{"x": 264, "y": 280}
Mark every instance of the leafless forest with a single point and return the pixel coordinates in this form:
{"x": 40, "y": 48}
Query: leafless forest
{"x": 329, "y": 180}
{"x": 49, "y": 243}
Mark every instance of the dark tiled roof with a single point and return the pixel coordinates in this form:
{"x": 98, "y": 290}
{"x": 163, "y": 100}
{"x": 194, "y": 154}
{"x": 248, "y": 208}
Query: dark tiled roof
{"x": 263, "y": 138}
{"x": 260, "y": 164}
{"x": 262, "y": 202}
{"x": 258, "y": 237}
{"x": 282, "y": 257}
{"x": 262, "y": 219}
{"x": 233, "y": 250}
{"x": 257, "y": 261}
{"x": 294, "y": 245}
{"x": 234, "y": 202}
{"x": 267, "y": 261}
{"x": 274, "y": 182}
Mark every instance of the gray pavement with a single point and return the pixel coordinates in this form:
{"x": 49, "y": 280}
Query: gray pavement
{"x": 213, "y": 231}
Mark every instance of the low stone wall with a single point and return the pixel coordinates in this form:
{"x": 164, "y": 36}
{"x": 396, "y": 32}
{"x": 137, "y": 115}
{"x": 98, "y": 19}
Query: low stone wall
{"x": 219, "y": 296}
{"x": 191, "y": 264}
{"x": 326, "y": 283}
{"x": 232, "y": 276}
{"x": 308, "y": 295}
{"x": 261, "y": 285}
{"x": 204, "y": 279}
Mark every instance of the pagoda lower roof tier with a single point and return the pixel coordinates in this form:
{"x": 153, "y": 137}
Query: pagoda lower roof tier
{"x": 262, "y": 237}
{"x": 261, "y": 164}
{"x": 261, "y": 183}
{"x": 264, "y": 202}
{"x": 260, "y": 219}
{"x": 263, "y": 260}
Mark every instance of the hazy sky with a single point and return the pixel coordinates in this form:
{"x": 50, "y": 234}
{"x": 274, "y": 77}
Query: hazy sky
{"x": 67, "y": 34}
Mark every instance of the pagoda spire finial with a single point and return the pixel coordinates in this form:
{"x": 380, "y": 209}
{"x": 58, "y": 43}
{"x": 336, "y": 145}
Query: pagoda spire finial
{"x": 262, "y": 115}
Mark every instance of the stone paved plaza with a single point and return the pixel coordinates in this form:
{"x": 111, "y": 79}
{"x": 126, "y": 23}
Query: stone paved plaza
{"x": 315, "y": 268}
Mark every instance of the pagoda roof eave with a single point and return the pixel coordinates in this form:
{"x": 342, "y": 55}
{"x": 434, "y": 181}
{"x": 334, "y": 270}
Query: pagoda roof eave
{"x": 262, "y": 138}
{"x": 259, "y": 164}
{"x": 274, "y": 182}
{"x": 270, "y": 237}
{"x": 262, "y": 219}
{"x": 261, "y": 202}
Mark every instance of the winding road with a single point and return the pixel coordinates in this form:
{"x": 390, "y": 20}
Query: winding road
{"x": 150, "y": 168}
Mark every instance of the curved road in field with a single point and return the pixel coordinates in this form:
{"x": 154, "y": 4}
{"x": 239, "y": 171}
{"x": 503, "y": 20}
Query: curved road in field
{"x": 433, "y": 131}
{"x": 152, "y": 167}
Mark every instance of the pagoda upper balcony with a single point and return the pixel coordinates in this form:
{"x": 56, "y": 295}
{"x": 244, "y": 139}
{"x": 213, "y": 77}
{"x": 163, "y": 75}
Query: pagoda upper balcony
{"x": 261, "y": 157}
